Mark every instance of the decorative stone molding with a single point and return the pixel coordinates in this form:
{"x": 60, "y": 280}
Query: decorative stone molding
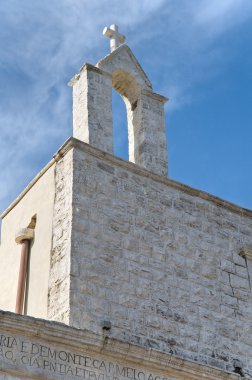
{"x": 27, "y": 335}
{"x": 24, "y": 234}
{"x": 162, "y": 99}
{"x": 246, "y": 252}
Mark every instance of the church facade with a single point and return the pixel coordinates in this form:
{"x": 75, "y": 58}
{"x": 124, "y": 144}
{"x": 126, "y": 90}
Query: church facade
{"x": 129, "y": 275}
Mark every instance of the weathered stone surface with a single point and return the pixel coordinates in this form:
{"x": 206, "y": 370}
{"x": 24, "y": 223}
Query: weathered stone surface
{"x": 59, "y": 279}
{"x": 157, "y": 259}
{"x": 53, "y": 351}
{"x": 153, "y": 277}
{"x": 92, "y": 108}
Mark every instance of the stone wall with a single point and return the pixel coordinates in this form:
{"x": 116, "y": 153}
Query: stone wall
{"x": 59, "y": 279}
{"x": 160, "y": 261}
{"x": 92, "y": 109}
{"x": 35, "y": 349}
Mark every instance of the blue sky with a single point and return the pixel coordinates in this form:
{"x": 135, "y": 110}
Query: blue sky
{"x": 196, "y": 52}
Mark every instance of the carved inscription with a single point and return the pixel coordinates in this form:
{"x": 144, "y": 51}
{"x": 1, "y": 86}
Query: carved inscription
{"x": 19, "y": 353}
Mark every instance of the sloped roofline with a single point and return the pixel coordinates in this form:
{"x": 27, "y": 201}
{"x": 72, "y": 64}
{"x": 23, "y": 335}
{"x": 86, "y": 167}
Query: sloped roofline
{"x": 75, "y": 143}
{"x": 125, "y": 47}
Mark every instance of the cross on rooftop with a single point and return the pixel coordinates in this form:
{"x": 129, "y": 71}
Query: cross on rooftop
{"x": 116, "y": 39}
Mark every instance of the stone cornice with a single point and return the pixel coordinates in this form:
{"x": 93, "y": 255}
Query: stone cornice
{"x": 246, "y": 252}
{"x": 74, "y": 143}
{"x": 154, "y": 95}
{"x": 87, "y": 67}
{"x": 57, "y": 333}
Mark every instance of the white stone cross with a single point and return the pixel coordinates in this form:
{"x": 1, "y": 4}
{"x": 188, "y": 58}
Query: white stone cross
{"x": 116, "y": 39}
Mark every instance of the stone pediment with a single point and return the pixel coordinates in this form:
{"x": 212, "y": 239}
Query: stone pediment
{"x": 122, "y": 59}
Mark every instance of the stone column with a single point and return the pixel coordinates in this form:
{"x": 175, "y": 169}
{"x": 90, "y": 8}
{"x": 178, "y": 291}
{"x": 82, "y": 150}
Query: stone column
{"x": 92, "y": 107}
{"x": 147, "y": 139}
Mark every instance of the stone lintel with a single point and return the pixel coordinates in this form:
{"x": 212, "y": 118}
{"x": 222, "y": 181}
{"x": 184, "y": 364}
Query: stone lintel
{"x": 88, "y": 67}
{"x": 154, "y": 95}
{"x": 246, "y": 252}
{"x": 24, "y": 234}
{"x": 42, "y": 335}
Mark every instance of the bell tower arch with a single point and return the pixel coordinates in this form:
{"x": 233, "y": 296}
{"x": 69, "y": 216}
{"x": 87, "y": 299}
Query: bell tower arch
{"x": 92, "y": 108}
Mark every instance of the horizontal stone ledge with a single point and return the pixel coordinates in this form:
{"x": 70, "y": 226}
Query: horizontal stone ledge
{"x": 31, "y": 334}
{"x": 162, "y": 99}
{"x": 24, "y": 234}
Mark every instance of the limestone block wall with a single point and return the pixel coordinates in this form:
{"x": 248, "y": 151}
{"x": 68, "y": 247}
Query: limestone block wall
{"x": 59, "y": 278}
{"x": 38, "y": 349}
{"x": 149, "y": 148}
{"x": 160, "y": 261}
{"x": 92, "y": 107}
{"x": 145, "y": 110}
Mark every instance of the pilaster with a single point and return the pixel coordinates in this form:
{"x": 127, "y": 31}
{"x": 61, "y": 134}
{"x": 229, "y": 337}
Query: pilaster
{"x": 148, "y": 147}
{"x": 92, "y": 107}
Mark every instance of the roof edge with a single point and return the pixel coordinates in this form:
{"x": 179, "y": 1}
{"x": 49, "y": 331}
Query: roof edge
{"x": 78, "y": 144}
{"x": 55, "y": 158}
{"x": 59, "y": 334}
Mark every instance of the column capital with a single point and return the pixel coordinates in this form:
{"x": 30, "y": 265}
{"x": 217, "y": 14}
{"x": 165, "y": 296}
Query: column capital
{"x": 24, "y": 234}
{"x": 154, "y": 95}
{"x": 246, "y": 252}
{"x": 87, "y": 67}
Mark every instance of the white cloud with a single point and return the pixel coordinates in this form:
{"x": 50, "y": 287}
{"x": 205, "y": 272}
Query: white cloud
{"x": 43, "y": 43}
{"x": 221, "y": 15}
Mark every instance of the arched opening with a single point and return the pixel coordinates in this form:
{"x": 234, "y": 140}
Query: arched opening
{"x": 129, "y": 90}
{"x": 120, "y": 126}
